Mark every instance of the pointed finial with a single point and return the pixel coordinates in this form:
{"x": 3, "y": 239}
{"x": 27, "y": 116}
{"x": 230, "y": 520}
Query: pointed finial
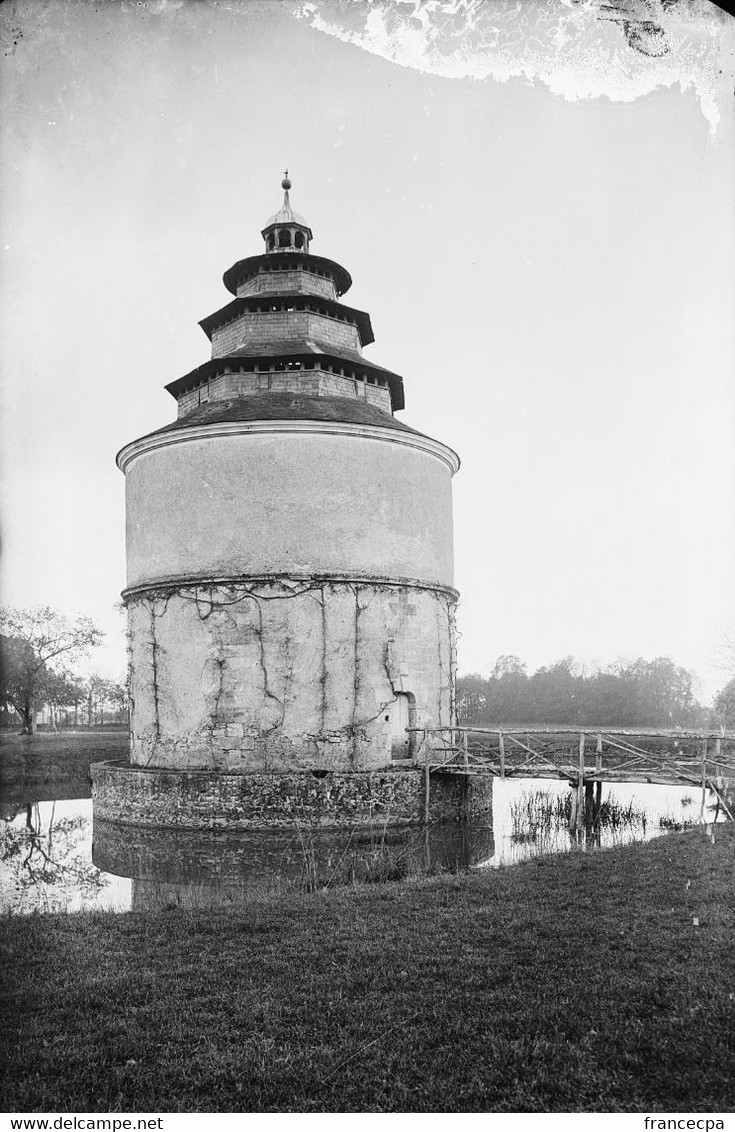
{"x": 285, "y": 183}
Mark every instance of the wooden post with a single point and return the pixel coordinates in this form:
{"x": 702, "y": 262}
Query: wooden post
{"x": 501, "y": 744}
{"x": 573, "y": 814}
{"x": 427, "y": 848}
{"x": 465, "y": 776}
{"x": 580, "y": 782}
{"x": 704, "y": 779}
{"x": 718, "y": 756}
{"x": 427, "y": 786}
{"x": 598, "y": 783}
{"x": 588, "y": 807}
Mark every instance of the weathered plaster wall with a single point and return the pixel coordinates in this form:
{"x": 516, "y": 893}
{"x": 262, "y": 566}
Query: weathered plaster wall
{"x": 291, "y": 498}
{"x": 280, "y": 675}
{"x": 200, "y": 800}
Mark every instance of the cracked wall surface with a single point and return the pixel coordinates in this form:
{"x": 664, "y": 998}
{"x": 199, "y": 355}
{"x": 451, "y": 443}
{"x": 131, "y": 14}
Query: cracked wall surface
{"x": 280, "y": 675}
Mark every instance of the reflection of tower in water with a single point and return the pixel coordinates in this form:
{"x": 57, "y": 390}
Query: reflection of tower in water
{"x": 203, "y": 869}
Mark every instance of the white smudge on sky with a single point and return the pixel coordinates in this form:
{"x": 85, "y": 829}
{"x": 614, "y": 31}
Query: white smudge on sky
{"x": 621, "y": 49}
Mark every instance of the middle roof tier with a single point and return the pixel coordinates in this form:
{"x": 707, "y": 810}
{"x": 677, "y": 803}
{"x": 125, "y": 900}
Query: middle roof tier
{"x": 259, "y": 320}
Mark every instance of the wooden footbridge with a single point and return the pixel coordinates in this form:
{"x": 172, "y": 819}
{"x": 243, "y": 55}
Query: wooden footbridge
{"x": 585, "y": 758}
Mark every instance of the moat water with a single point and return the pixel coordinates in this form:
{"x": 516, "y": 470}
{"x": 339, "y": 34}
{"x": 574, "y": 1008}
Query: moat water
{"x": 53, "y": 858}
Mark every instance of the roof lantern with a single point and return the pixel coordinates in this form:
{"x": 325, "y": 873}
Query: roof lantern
{"x": 286, "y": 230}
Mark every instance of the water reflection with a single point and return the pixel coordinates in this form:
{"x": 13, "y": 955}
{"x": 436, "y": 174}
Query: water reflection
{"x": 49, "y": 862}
{"x": 182, "y": 867}
{"x": 46, "y": 862}
{"x": 636, "y": 812}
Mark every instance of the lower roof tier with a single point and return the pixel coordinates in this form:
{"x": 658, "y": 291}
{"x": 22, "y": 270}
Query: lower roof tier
{"x": 305, "y": 382}
{"x": 304, "y": 355}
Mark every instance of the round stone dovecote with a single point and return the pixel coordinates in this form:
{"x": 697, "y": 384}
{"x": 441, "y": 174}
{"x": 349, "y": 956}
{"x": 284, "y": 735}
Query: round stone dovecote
{"x": 290, "y": 575}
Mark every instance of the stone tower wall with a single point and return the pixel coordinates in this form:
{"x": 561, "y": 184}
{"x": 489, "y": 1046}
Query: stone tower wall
{"x": 285, "y": 675}
{"x": 294, "y": 498}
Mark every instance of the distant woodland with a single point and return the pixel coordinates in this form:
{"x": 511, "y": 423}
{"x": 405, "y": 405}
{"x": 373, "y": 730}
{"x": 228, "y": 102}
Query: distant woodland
{"x": 636, "y": 693}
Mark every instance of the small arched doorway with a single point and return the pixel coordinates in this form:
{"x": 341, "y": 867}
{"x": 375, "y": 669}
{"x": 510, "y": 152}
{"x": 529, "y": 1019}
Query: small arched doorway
{"x": 400, "y": 714}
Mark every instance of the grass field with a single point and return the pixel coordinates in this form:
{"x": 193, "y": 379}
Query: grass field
{"x": 47, "y": 757}
{"x": 597, "y": 982}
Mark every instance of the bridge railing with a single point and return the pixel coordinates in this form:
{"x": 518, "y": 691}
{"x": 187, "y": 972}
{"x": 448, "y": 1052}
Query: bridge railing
{"x": 696, "y": 758}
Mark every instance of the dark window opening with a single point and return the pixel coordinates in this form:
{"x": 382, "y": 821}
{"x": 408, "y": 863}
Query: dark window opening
{"x": 272, "y": 240}
{"x": 299, "y": 241}
{"x": 284, "y": 238}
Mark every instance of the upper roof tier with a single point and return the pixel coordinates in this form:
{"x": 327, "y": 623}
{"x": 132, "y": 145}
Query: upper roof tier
{"x": 268, "y": 269}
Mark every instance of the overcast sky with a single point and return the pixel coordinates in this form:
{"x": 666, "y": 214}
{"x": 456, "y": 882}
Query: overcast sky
{"x": 552, "y": 274}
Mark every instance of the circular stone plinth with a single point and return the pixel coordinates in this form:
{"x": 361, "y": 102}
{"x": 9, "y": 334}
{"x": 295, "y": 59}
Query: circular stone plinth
{"x": 180, "y": 799}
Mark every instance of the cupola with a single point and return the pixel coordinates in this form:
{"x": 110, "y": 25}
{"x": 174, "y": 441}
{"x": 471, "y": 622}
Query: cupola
{"x": 286, "y": 231}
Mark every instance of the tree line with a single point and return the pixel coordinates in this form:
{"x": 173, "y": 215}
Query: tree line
{"x": 38, "y": 651}
{"x": 635, "y": 693}
{"x": 39, "y": 648}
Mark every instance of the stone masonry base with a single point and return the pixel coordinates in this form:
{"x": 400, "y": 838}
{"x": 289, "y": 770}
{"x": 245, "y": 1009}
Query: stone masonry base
{"x": 210, "y": 800}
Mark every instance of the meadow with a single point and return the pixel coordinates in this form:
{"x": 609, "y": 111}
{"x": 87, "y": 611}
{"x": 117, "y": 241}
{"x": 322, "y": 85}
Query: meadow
{"x": 581, "y": 982}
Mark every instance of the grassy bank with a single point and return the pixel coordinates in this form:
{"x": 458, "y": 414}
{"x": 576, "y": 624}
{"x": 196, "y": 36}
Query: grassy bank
{"x": 575, "y": 983}
{"x": 47, "y": 757}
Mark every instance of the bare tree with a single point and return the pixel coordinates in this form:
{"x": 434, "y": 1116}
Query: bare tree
{"x": 41, "y": 636}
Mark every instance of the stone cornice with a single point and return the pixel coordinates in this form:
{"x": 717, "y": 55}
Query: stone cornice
{"x": 307, "y": 581}
{"x": 303, "y": 427}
